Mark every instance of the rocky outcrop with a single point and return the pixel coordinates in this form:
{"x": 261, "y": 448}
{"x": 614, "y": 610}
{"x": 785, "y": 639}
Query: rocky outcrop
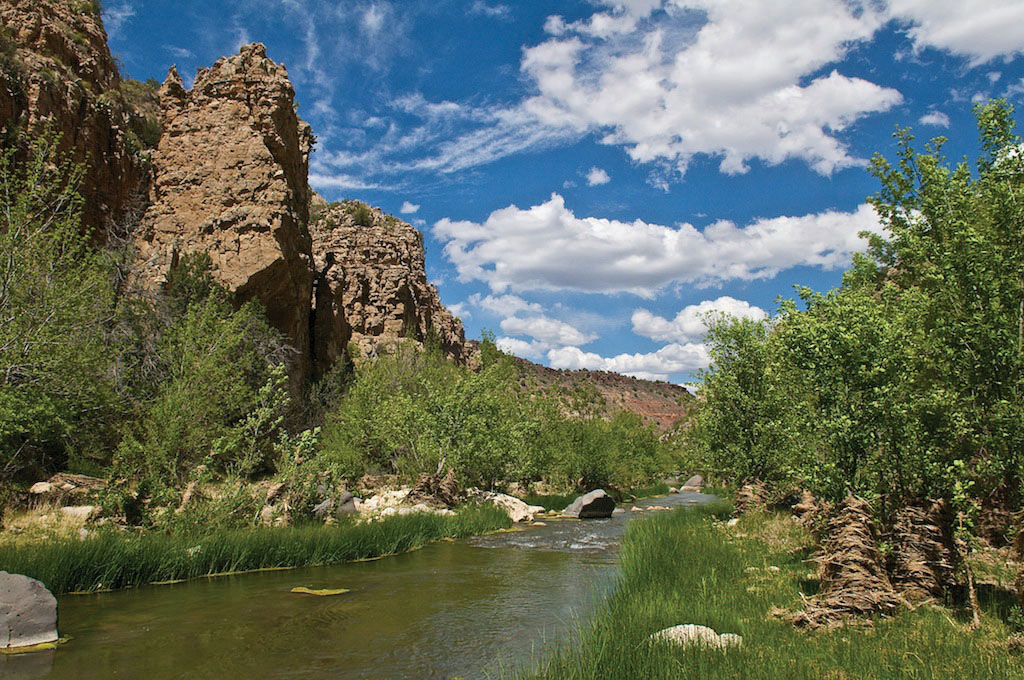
{"x": 28, "y": 612}
{"x": 660, "y": 404}
{"x": 371, "y": 285}
{"x": 594, "y": 505}
{"x": 57, "y": 72}
{"x": 231, "y": 181}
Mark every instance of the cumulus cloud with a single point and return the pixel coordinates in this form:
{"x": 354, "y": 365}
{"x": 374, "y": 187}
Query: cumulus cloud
{"x": 981, "y": 30}
{"x": 504, "y": 305}
{"x": 936, "y": 118}
{"x": 736, "y": 79}
{"x": 544, "y": 329}
{"x": 597, "y": 176}
{"x": 690, "y": 324}
{"x": 671, "y": 359}
{"x": 548, "y": 247}
{"x": 408, "y": 208}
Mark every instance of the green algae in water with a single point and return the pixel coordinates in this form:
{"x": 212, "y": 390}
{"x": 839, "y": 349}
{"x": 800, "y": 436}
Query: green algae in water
{"x": 322, "y": 592}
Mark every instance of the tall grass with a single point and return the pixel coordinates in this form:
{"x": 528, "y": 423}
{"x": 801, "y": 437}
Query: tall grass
{"x": 111, "y": 560}
{"x": 686, "y": 568}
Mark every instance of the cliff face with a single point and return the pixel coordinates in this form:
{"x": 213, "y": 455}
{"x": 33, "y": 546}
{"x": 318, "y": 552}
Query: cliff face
{"x": 230, "y": 180}
{"x": 371, "y": 285}
{"x": 56, "y": 71}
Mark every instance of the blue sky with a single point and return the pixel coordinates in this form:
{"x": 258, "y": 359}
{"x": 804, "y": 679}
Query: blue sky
{"x": 592, "y": 177}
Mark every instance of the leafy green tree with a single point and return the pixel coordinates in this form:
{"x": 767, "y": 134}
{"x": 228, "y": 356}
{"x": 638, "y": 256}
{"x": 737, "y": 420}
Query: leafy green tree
{"x": 748, "y": 425}
{"x": 56, "y": 301}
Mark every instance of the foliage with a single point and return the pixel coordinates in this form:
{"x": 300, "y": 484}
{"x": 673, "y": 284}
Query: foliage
{"x": 749, "y": 425}
{"x": 414, "y": 412}
{"x": 209, "y": 382}
{"x": 56, "y": 300}
{"x": 687, "y": 567}
{"x": 907, "y": 381}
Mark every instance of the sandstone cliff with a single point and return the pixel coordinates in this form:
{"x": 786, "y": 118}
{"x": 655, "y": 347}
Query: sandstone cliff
{"x": 56, "y": 71}
{"x": 230, "y": 180}
{"x": 371, "y": 285}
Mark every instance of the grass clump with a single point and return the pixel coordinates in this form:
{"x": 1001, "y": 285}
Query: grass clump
{"x": 111, "y": 560}
{"x": 687, "y": 567}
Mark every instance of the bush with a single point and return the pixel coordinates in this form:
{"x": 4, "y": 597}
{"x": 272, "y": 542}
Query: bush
{"x": 56, "y": 301}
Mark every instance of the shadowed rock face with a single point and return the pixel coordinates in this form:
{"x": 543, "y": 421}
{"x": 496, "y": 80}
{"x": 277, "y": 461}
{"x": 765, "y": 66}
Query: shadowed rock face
{"x": 371, "y": 286}
{"x": 57, "y": 72}
{"x": 231, "y": 181}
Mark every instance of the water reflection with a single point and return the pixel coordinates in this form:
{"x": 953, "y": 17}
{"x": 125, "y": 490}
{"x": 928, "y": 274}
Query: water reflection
{"x": 450, "y": 609}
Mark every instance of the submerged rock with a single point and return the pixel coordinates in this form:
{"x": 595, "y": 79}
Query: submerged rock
{"x": 28, "y": 612}
{"x": 595, "y": 504}
{"x": 690, "y": 634}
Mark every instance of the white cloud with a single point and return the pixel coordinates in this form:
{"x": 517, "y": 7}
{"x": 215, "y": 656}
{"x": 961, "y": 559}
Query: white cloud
{"x": 322, "y": 182}
{"x": 690, "y": 323}
{"x": 408, "y": 208}
{"x": 552, "y": 332}
{"x": 726, "y": 78}
{"x": 373, "y": 18}
{"x": 115, "y": 16}
{"x": 498, "y": 11}
{"x": 671, "y": 359}
{"x": 596, "y": 176}
{"x": 504, "y": 305}
{"x": 548, "y": 247}
{"x": 980, "y": 29}
{"x": 522, "y": 348}
{"x": 936, "y": 118}
{"x": 179, "y": 52}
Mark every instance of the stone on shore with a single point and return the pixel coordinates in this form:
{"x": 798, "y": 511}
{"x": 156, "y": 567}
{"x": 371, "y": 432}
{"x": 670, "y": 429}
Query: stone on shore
{"x": 690, "y": 634}
{"x": 517, "y": 510}
{"x": 596, "y": 504}
{"x": 695, "y": 483}
{"x": 28, "y": 612}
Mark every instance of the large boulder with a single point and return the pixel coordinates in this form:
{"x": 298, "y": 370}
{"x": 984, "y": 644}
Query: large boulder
{"x": 695, "y": 483}
{"x": 28, "y": 612}
{"x": 595, "y": 504}
{"x": 517, "y": 510}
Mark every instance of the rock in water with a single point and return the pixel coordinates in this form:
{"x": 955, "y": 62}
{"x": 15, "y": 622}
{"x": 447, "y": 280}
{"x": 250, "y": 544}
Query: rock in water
{"x": 28, "y": 612}
{"x": 593, "y": 505}
{"x": 695, "y": 483}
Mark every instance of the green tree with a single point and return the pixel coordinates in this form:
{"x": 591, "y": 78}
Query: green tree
{"x": 56, "y": 301}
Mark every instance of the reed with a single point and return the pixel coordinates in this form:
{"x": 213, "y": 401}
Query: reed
{"x": 686, "y": 567}
{"x": 113, "y": 559}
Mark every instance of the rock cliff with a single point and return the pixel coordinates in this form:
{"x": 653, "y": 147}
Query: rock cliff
{"x": 57, "y": 72}
{"x": 230, "y": 180}
{"x": 371, "y": 285}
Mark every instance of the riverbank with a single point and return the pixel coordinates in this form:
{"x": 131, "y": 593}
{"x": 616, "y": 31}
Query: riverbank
{"x": 691, "y": 567}
{"x": 113, "y": 559}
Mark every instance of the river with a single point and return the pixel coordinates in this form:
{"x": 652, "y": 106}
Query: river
{"x": 451, "y": 609}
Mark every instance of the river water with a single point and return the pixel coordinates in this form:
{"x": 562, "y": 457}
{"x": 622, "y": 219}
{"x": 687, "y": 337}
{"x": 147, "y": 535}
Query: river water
{"x": 452, "y": 609}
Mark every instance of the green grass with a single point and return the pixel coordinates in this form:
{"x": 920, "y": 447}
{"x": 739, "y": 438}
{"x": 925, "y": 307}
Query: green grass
{"x": 685, "y": 567}
{"x": 111, "y": 559}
